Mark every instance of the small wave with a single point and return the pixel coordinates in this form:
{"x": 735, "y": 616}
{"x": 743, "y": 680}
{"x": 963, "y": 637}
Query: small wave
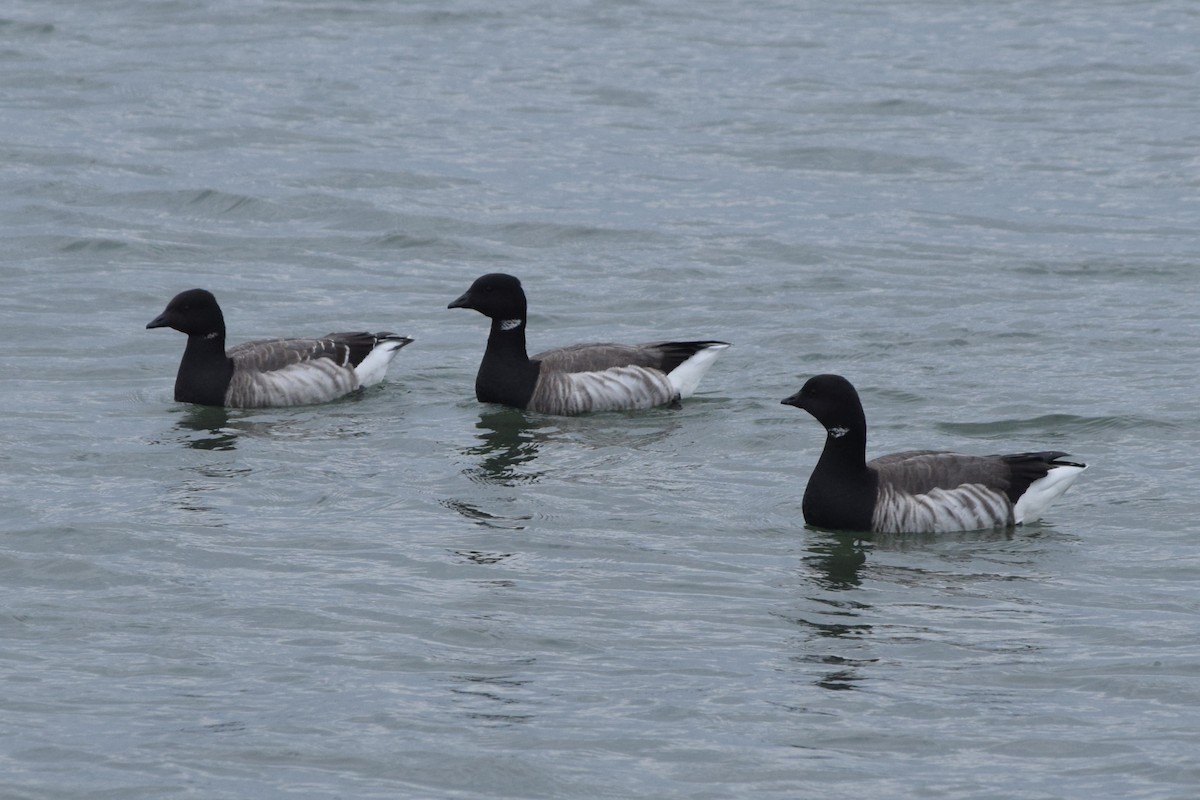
{"x": 205, "y": 203}
{"x": 18, "y": 26}
{"x": 1057, "y": 423}
{"x": 222, "y": 203}
{"x": 93, "y": 245}
{"x": 854, "y": 160}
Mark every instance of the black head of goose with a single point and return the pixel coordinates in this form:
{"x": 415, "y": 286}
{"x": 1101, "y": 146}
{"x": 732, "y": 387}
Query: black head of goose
{"x": 579, "y": 378}
{"x": 269, "y": 372}
{"x": 919, "y": 491}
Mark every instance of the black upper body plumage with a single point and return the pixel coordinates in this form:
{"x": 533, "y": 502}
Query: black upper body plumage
{"x": 506, "y": 374}
{"x": 269, "y": 372}
{"x": 918, "y": 490}
{"x": 577, "y": 378}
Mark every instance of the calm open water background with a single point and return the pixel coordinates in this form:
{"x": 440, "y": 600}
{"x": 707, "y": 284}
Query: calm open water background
{"x": 984, "y": 214}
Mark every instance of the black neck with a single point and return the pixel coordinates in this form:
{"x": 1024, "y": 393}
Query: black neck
{"x": 845, "y": 449}
{"x": 506, "y": 374}
{"x": 841, "y": 492}
{"x": 205, "y": 371}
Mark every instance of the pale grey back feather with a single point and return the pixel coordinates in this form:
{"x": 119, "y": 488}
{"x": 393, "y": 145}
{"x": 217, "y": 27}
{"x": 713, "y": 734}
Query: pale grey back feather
{"x": 615, "y": 389}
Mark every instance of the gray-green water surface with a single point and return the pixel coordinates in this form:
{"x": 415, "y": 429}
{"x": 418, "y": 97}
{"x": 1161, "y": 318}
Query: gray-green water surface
{"x": 984, "y": 214}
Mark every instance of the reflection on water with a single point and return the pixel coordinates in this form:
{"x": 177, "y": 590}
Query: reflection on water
{"x": 487, "y": 559}
{"x": 210, "y": 420}
{"x": 836, "y": 634}
{"x": 204, "y": 428}
{"x": 846, "y": 673}
{"x": 480, "y": 557}
{"x": 481, "y": 517}
{"x": 835, "y": 671}
{"x": 836, "y": 559}
{"x": 508, "y": 439}
{"x": 901, "y": 542}
{"x": 494, "y": 699}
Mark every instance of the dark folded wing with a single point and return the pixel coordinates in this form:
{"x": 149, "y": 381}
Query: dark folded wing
{"x": 664, "y": 356}
{"x": 344, "y": 349}
{"x": 920, "y": 471}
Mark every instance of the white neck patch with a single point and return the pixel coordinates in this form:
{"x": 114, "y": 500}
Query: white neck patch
{"x": 212, "y": 335}
{"x": 838, "y": 432}
{"x": 509, "y": 324}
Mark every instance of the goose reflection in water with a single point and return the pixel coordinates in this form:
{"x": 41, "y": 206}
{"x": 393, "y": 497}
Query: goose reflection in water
{"x": 508, "y": 439}
{"x": 841, "y": 618}
{"x": 210, "y": 420}
{"x": 835, "y": 626}
{"x": 836, "y": 559}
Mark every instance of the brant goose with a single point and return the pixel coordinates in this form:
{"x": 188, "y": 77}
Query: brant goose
{"x": 920, "y": 491}
{"x": 579, "y": 378}
{"x": 268, "y": 372}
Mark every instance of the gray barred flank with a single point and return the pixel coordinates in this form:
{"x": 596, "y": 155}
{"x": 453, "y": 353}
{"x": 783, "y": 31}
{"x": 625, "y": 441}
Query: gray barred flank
{"x": 300, "y": 383}
{"x": 616, "y": 389}
{"x": 971, "y": 506}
